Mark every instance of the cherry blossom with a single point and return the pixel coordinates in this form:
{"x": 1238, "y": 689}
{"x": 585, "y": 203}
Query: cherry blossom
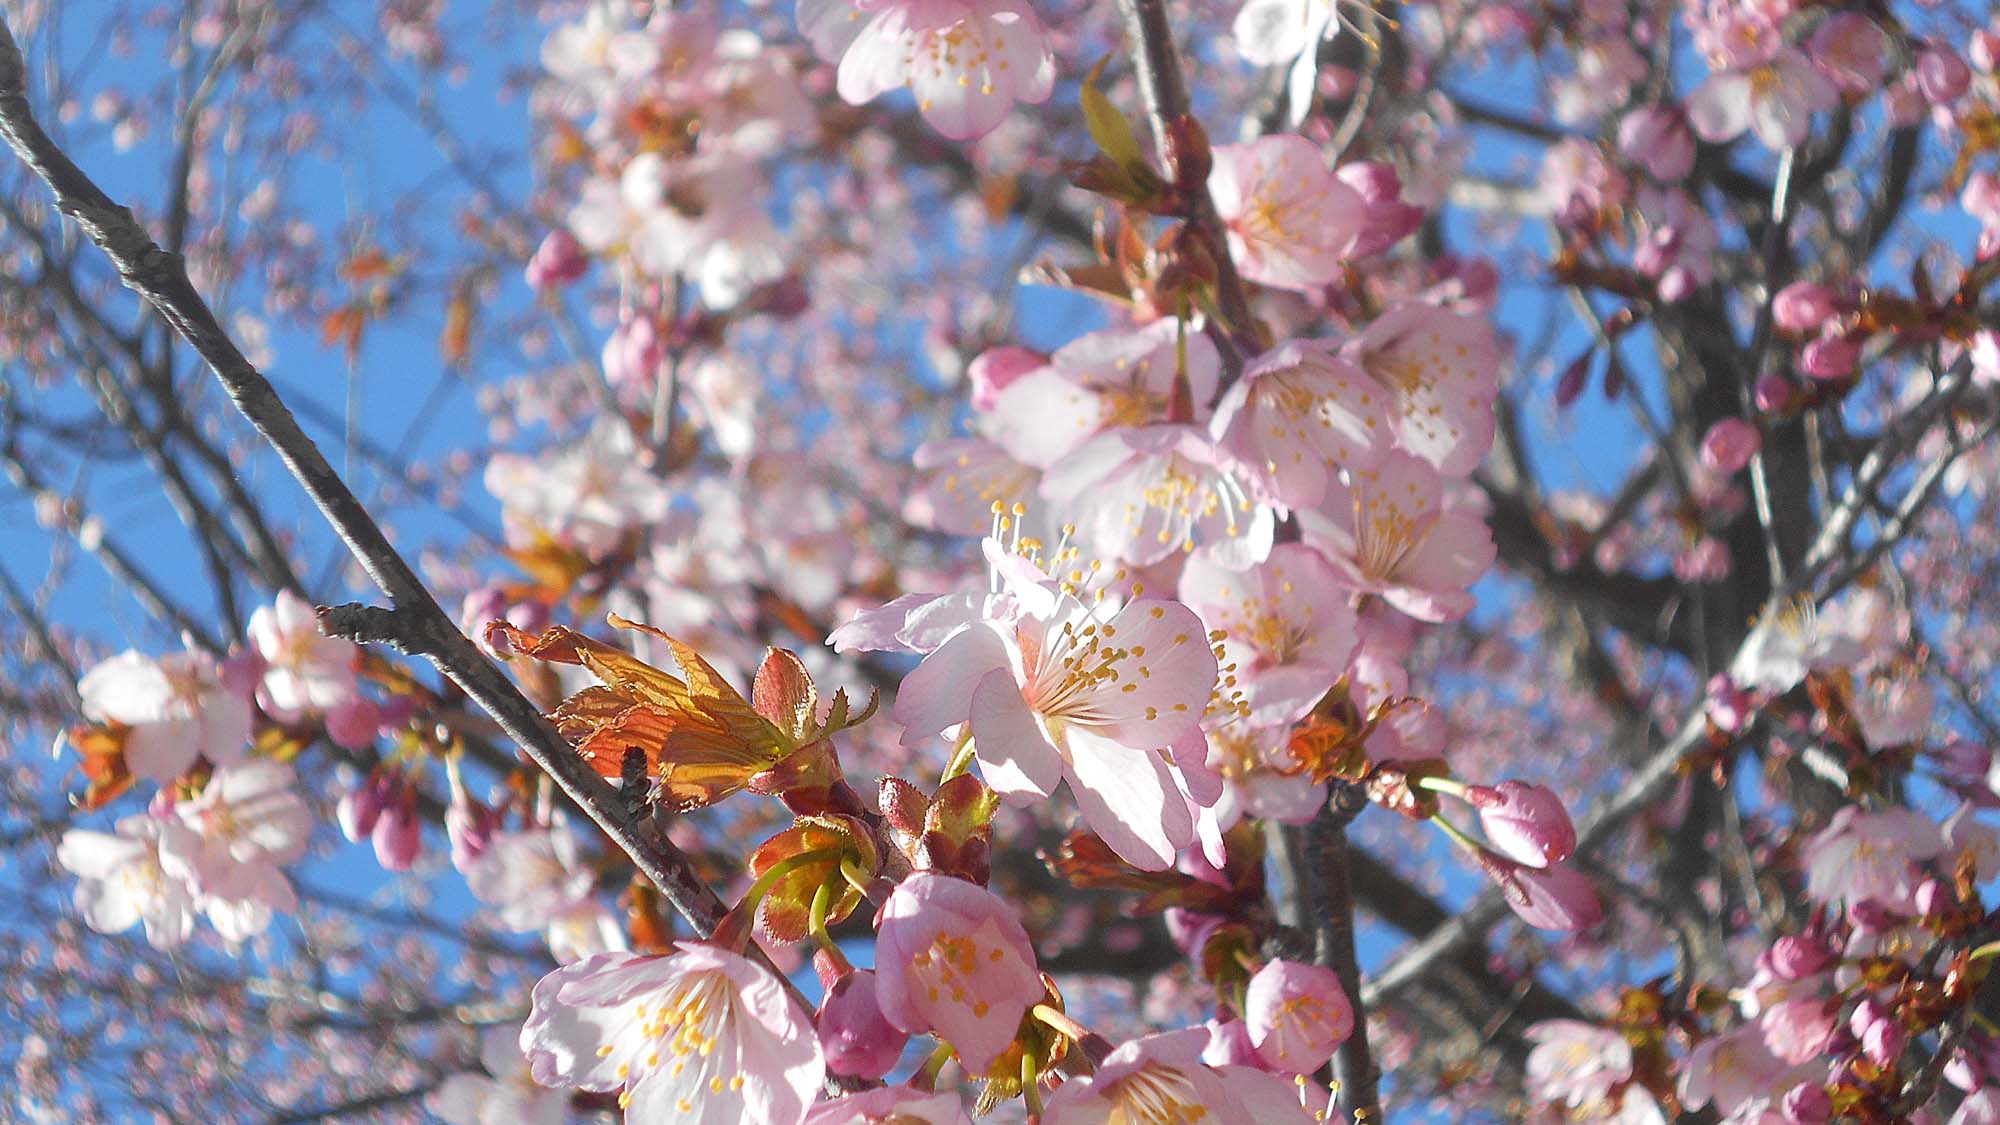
{"x": 1298, "y": 415}
{"x": 1576, "y": 1063}
{"x": 700, "y": 1034}
{"x": 121, "y": 881}
{"x": 1099, "y": 382}
{"x": 891, "y": 1105}
{"x": 232, "y": 841}
{"x": 1297, "y": 1014}
{"x": 305, "y": 671}
{"x": 1164, "y": 1077}
{"x": 1287, "y": 627}
{"x": 1290, "y": 221}
{"x": 505, "y": 1094}
{"x": 1441, "y": 371}
{"x": 1773, "y": 97}
{"x": 178, "y": 709}
{"x": 1063, "y": 692}
{"x": 966, "y": 61}
{"x": 1391, "y": 534}
{"x": 1142, "y": 494}
{"x": 951, "y": 958}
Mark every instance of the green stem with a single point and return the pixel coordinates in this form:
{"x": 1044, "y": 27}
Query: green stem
{"x": 961, "y": 755}
{"x": 733, "y": 932}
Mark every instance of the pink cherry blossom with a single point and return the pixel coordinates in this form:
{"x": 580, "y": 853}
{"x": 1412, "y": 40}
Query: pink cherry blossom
{"x": 1288, "y": 629}
{"x": 1576, "y": 1063}
{"x": 1099, "y": 382}
{"x": 121, "y": 881}
{"x": 965, "y": 478}
{"x": 1060, "y": 693}
{"x": 1163, "y": 1078}
{"x": 1290, "y": 221}
{"x": 1775, "y": 99}
{"x": 505, "y": 1094}
{"x": 1390, "y": 534}
{"x": 557, "y": 261}
{"x": 589, "y": 493}
{"x": 1870, "y": 856}
{"x": 232, "y": 841}
{"x": 967, "y": 61}
{"x": 1441, "y": 370}
{"x": 1798, "y": 1029}
{"x": 1657, "y": 138}
{"x": 1851, "y": 49}
{"x": 305, "y": 671}
{"x": 952, "y": 959}
{"x": 700, "y": 1035}
{"x": 1388, "y": 218}
{"x": 1298, "y": 414}
{"x": 1297, "y": 1015}
{"x": 1142, "y": 494}
{"x": 1732, "y": 1071}
{"x": 178, "y": 707}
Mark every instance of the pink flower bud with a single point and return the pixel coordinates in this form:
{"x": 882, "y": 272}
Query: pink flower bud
{"x": 1802, "y": 307}
{"x": 1808, "y": 1103}
{"x": 1774, "y": 394}
{"x": 1556, "y": 898}
{"x": 994, "y": 368}
{"x": 1730, "y": 444}
{"x": 358, "y": 811}
{"x": 858, "y": 1039}
{"x": 397, "y": 836}
{"x": 557, "y": 261}
{"x": 1658, "y": 139}
{"x": 1881, "y": 1038}
{"x": 1297, "y": 1015}
{"x": 1796, "y": 957}
{"x": 1872, "y": 917}
{"x": 1526, "y": 823}
{"x": 1830, "y": 357}
{"x": 1941, "y": 74}
{"x": 470, "y": 827}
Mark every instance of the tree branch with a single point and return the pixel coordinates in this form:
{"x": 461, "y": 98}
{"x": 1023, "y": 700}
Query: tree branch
{"x": 417, "y": 621}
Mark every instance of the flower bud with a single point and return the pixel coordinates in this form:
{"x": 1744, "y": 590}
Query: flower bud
{"x": 1802, "y": 307}
{"x": 1941, "y": 74}
{"x": 858, "y": 1040}
{"x": 397, "y": 836}
{"x": 1808, "y": 1104}
{"x": 361, "y": 807}
{"x": 1796, "y": 957}
{"x": 1985, "y": 50}
{"x": 1935, "y": 900}
{"x": 557, "y": 261}
{"x": 1557, "y": 898}
{"x": 1830, "y": 357}
{"x": 1297, "y": 1014}
{"x": 1774, "y": 394}
{"x": 1881, "y": 1037}
{"x": 1730, "y": 444}
{"x": 1526, "y": 823}
{"x": 470, "y": 827}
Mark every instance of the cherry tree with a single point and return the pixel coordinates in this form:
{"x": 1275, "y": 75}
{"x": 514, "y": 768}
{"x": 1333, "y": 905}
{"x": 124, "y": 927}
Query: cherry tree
{"x": 1000, "y": 559}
